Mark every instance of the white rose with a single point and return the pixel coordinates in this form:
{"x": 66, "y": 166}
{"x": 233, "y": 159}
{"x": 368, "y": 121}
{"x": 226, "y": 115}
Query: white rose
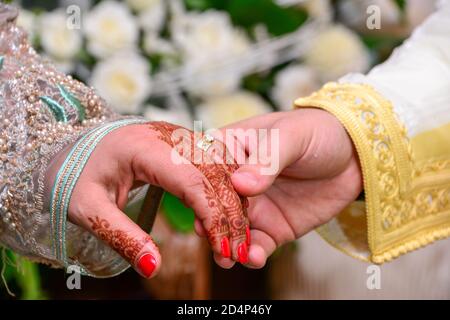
{"x": 110, "y": 27}
{"x": 208, "y": 33}
{"x": 123, "y": 80}
{"x": 319, "y": 9}
{"x": 57, "y": 39}
{"x": 293, "y": 82}
{"x": 27, "y": 20}
{"x": 151, "y": 13}
{"x": 205, "y": 40}
{"x": 219, "y": 111}
{"x": 207, "y": 82}
{"x": 142, "y": 5}
{"x": 335, "y": 52}
{"x": 153, "y": 18}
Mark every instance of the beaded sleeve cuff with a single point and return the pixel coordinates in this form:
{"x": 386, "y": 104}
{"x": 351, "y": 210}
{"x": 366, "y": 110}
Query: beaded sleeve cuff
{"x": 41, "y": 112}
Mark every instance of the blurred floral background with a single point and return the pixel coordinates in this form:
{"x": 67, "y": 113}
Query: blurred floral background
{"x": 218, "y": 61}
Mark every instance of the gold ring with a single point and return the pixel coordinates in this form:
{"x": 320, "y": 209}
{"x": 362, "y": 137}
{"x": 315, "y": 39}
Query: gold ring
{"x": 205, "y": 142}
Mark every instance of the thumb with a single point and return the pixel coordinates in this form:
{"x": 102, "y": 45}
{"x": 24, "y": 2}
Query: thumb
{"x": 108, "y": 223}
{"x": 258, "y": 170}
{"x": 275, "y": 150}
{"x": 248, "y": 180}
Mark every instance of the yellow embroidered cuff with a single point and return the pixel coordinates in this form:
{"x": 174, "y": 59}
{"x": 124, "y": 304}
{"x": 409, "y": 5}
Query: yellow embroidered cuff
{"x": 407, "y": 204}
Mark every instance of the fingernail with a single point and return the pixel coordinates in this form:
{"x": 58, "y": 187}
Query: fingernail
{"x": 247, "y": 233}
{"x": 248, "y": 178}
{"x": 243, "y": 253}
{"x": 146, "y": 265}
{"x": 225, "y": 247}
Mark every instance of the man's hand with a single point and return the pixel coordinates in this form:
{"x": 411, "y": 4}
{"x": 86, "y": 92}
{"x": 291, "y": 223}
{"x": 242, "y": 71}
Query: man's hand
{"x": 318, "y": 176}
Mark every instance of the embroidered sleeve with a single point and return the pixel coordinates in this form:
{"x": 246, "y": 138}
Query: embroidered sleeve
{"x": 42, "y": 111}
{"x": 398, "y": 117}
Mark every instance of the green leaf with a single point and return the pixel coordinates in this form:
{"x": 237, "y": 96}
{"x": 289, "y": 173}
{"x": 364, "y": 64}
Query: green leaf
{"x": 201, "y": 5}
{"x": 401, "y": 4}
{"x": 248, "y": 13}
{"x": 6, "y": 268}
{"x": 258, "y": 83}
{"x": 23, "y": 273}
{"x": 29, "y": 281}
{"x": 73, "y": 101}
{"x": 279, "y": 20}
{"x": 197, "y": 4}
{"x": 58, "y": 111}
{"x": 178, "y": 216}
{"x": 86, "y": 58}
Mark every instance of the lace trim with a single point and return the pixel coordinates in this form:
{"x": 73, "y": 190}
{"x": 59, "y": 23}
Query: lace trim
{"x": 407, "y": 203}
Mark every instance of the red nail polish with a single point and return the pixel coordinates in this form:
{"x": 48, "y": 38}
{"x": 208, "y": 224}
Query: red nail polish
{"x": 225, "y": 247}
{"x": 243, "y": 253}
{"x": 146, "y": 264}
{"x": 247, "y": 233}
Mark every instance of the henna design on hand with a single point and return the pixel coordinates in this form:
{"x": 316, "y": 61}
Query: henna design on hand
{"x": 165, "y": 131}
{"x": 224, "y": 190}
{"x": 128, "y": 247}
{"x": 230, "y": 214}
{"x": 219, "y": 220}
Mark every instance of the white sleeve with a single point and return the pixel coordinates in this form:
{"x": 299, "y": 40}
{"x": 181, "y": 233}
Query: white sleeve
{"x": 416, "y": 78}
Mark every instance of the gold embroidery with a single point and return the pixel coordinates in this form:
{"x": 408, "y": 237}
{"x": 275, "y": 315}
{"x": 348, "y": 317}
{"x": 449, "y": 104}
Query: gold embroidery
{"x": 431, "y": 166}
{"x": 407, "y": 203}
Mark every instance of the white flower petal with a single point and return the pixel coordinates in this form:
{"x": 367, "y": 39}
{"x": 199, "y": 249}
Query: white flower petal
{"x": 336, "y": 52}
{"x": 57, "y": 39}
{"x": 205, "y": 40}
{"x": 319, "y": 9}
{"x": 217, "y": 112}
{"x": 123, "y": 80}
{"x": 142, "y": 5}
{"x": 293, "y": 82}
{"x": 110, "y": 27}
{"x": 152, "y": 18}
{"x": 27, "y": 20}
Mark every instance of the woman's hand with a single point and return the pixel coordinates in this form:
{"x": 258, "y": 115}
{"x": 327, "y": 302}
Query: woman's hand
{"x": 135, "y": 155}
{"x": 318, "y": 175}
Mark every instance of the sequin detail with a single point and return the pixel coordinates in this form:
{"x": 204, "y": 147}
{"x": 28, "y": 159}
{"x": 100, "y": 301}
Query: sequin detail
{"x": 58, "y": 110}
{"x": 74, "y": 102}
